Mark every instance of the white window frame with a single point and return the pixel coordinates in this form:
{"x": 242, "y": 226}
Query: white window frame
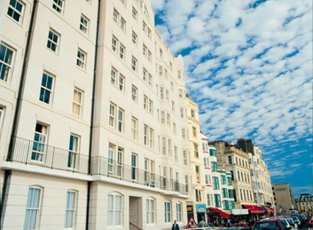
{"x": 39, "y": 143}
{"x": 151, "y": 211}
{"x": 84, "y": 24}
{"x": 33, "y": 208}
{"x": 16, "y": 11}
{"x": 134, "y": 128}
{"x": 114, "y": 74}
{"x": 114, "y": 44}
{"x": 78, "y": 104}
{"x": 179, "y": 216}
{"x": 9, "y": 64}
{"x": 167, "y": 212}
{"x": 134, "y": 38}
{"x": 116, "y": 15}
{"x": 120, "y": 120}
{"x": 1, "y": 117}
{"x": 70, "y": 208}
{"x": 81, "y": 61}
{"x": 134, "y": 13}
{"x": 51, "y": 41}
{"x": 134, "y": 93}
{"x": 121, "y": 83}
{"x": 114, "y": 210}
{"x": 46, "y": 89}
{"x": 73, "y": 152}
{"x": 122, "y": 51}
{"x": 134, "y": 64}
{"x": 134, "y": 167}
{"x": 58, "y": 5}
{"x": 112, "y": 114}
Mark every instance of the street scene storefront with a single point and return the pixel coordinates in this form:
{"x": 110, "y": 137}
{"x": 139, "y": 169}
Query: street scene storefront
{"x": 217, "y": 216}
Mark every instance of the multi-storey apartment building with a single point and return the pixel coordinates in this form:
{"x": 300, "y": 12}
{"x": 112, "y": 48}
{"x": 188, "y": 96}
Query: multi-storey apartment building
{"x": 261, "y": 180}
{"x": 47, "y": 56}
{"x": 94, "y": 126}
{"x": 233, "y": 159}
{"x": 304, "y": 203}
{"x": 283, "y": 197}
{"x": 262, "y": 186}
{"x": 198, "y": 188}
{"x": 219, "y": 192}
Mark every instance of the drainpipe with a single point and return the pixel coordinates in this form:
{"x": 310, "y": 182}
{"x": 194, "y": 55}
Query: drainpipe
{"x": 92, "y": 116}
{"x": 18, "y": 109}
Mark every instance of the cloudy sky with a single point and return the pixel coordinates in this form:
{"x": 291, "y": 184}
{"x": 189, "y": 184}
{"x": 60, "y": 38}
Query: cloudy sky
{"x": 249, "y": 67}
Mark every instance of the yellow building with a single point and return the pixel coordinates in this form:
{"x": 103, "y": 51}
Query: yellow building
{"x": 304, "y": 203}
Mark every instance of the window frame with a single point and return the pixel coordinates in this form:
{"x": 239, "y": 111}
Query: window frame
{"x": 37, "y": 208}
{"x": 81, "y": 61}
{"x": 134, "y": 93}
{"x": 56, "y": 6}
{"x": 150, "y": 212}
{"x": 71, "y": 209}
{"x": 167, "y": 212}
{"x": 16, "y": 11}
{"x": 78, "y": 104}
{"x": 112, "y": 222}
{"x": 179, "y": 215}
{"x": 84, "y": 27}
{"x": 45, "y": 88}
{"x": 51, "y": 41}
{"x": 73, "y": 153}
{"x": 7, "y": 64}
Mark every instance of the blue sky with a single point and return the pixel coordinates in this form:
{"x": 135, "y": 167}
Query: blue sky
{"x": 248, "y": 65}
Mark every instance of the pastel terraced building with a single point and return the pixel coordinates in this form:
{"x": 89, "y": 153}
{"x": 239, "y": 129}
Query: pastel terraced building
{"x": 93, "y": 123}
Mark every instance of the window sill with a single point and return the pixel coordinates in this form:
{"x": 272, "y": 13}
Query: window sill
{"x": 18, "y": 23}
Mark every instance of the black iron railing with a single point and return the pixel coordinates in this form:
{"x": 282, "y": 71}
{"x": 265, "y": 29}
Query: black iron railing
{"x": 39, "y": 154}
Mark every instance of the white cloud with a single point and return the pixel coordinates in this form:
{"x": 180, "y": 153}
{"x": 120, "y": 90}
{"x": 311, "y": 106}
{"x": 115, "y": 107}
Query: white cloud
{"x": 262, "y": 58}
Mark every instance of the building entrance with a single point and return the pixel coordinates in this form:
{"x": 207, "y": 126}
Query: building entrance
{"x": 135, "y": 213}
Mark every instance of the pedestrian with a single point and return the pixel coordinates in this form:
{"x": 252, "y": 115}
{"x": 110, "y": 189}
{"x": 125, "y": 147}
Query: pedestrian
{"x": 202, "y": 223}
{"x": 175, "y": 226}
{"x": 228, "y": 223}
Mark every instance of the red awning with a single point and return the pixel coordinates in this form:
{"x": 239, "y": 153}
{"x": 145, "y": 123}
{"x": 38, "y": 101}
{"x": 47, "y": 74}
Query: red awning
{"x": 223, "y": 214}
{"x": 254, "y": 209}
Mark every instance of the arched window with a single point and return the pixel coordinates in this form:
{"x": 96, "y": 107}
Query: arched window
{"x": 33, "y": 207}
{"x": 179, "y": 216}
{"x": 115, "y": 209}
{"x": 150, "y": 210}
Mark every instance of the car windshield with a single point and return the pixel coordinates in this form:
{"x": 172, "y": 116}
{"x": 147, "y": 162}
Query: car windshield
{"x": 266, "y": 226}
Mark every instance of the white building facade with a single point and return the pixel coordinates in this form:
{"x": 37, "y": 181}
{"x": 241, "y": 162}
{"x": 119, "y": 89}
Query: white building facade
{"x": 98, "y": 137}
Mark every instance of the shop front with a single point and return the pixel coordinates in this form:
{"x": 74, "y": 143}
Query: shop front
{"x": 201, "y": 209}
{"x": 217, "y": 216}
{"x": 190, "y": 210}
{"x": 255, "y": 212}
{"x": 240, "y": 215}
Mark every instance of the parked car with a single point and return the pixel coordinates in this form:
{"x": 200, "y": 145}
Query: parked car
{"x": 310, "y": 222}
{"x": 292, "y": 223}
{"x": 275, "y": 224}
{"x": 296, "y": 220}
{"x": 240, "y": 225}
{"x": 286, "y": 223}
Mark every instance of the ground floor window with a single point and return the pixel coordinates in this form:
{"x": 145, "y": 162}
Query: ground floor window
{"x": 167, "y": 211}
{"x": 150, "y": 208}
{"x": 115, "y": 209}
{"x": 178, "y": 212}
{"x": 70, "y": 210}
{"x": 32, "y": 208}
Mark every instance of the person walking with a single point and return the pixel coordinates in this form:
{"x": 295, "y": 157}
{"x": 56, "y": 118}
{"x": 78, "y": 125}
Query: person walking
{"x": 175, "y": 226}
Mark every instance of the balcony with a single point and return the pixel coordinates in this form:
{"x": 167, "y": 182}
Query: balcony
{"x": 37, "y": 154}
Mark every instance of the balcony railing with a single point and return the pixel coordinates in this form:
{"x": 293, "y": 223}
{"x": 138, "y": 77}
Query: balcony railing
{"x": 38, "y": 154}
{"x": 35, "y": 153}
